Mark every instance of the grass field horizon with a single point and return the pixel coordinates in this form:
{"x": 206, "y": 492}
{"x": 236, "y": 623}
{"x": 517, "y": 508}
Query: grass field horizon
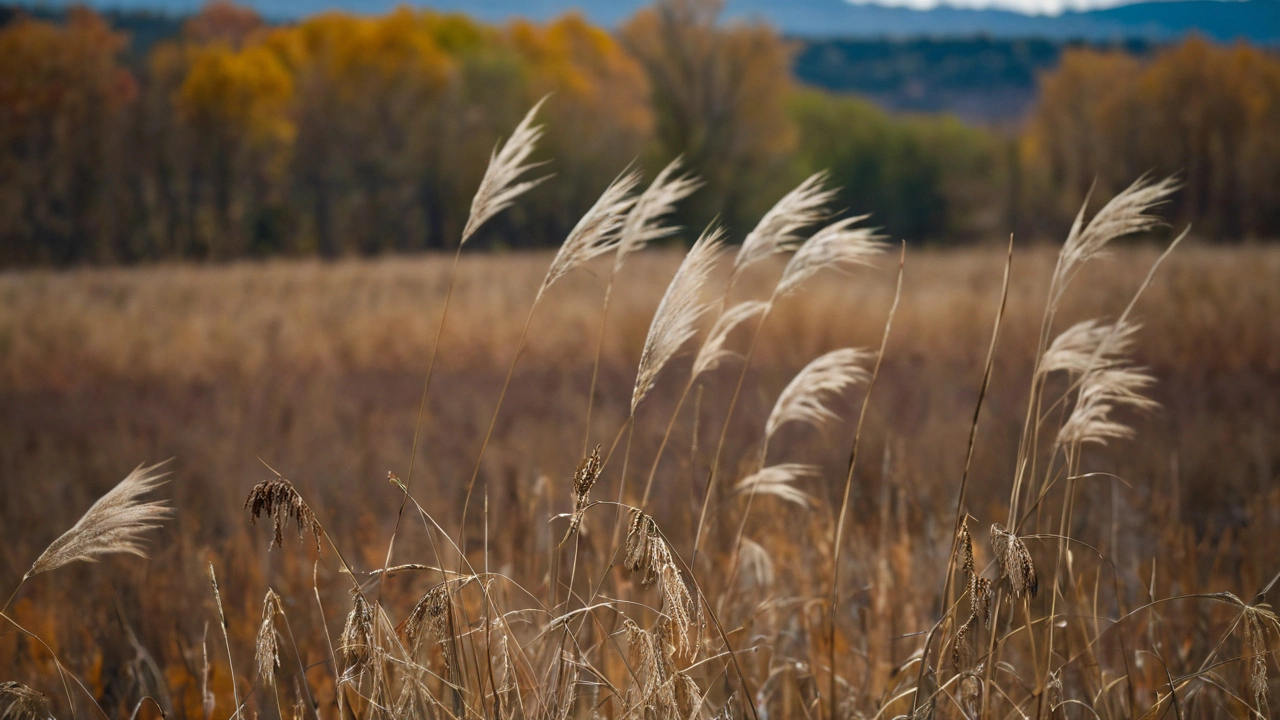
{"x": 316, "y": 369}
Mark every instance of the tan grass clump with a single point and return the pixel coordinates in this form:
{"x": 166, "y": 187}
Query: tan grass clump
{"x": 113, "y": 524}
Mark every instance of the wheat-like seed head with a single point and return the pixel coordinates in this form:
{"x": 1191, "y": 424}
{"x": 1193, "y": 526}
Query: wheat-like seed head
{"x": 1256, "y": 619}
{"x": 825, "y": 378}
{"x": 1016, "y": 568}
{"x": 429, "y": 619}
{"x": 644, "y": 223}
{"x": 19, "y": 702}
{"x": 597, "y": 232}
{"x": 113, "y": 524}
{"x": 499, "y": 187}
{"x": 779, "y": 481}
{"x": 712, "y": 352}
{"x": 648, "y": 555}
{"x": 267, "y": 649}
{"x": 675, "y": 321}
{"x": 280, "y": 501}
{"x": 836, "y": 246}
{"x": 357, "y": 642}
{"x": 584, "y": 478}
{"x": 1125, "y": 214}
{"x": 778, "y": 231}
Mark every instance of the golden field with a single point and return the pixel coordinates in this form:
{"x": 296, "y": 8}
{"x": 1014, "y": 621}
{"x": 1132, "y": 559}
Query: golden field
{"x": 316, "y": 370}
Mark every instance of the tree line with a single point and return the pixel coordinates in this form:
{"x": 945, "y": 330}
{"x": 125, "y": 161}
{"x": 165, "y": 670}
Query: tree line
{"x": 345, "y": 134}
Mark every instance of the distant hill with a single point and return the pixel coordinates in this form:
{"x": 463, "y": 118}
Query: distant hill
{"x": 981, "y": 79}
{"x": 1255, "y": 20}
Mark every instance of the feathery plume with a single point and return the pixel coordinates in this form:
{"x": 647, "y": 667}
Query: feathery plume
{"x": 597, "y": 232}
{"x": 1086, "y": 345}
{"x": 835, "y": 246}
{"x": 1101, "y": 392}
{"x": 756, "y": 564}
{"x": 1127, "y": 213}
{"x": 267, "y": 649}
{"x": 19, "y": 702}
{"x": 712, "y": 352}
{"x": 278, "y": 500}
{"x": 1016, "y": 568}
{"x": 777, "y": 232}
{"x": 643, "y": 224}
{"x": 676, "y": 318}
{"x": 779, "y": 481}
{"x": 804, "y": 398}
{"x": 113, "y": 524}
{"x": 499, "y": 189}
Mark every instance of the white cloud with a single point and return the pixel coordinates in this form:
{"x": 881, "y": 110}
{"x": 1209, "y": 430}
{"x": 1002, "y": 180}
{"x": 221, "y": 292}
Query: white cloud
{"x": 1033, "y": 7}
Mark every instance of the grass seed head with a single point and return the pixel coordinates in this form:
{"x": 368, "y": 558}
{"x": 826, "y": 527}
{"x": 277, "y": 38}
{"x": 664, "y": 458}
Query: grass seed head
{"x": 19, "y": 702}
{"x": 1016, "y": 568}
{"x": 278, "y": 500}
{"x": 113, "y": 524}
{"x": 267, "y": 649}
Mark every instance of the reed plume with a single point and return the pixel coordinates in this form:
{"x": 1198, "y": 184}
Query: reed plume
{"x": 834, "y": 247}
{"x": 644, "y": 223}
{"x": 805, "y": 397}
{"x": 1125, "y": 214}
{"x": 499, "y": 187}
{"x": 712, "y": 352}
{"x": 1085, "y": 345}
{"x": 597, "y": 233}
{"x": 778, "y": 231}
{"x": 779, "y": 481}
{"x": 675, "y": 321}
{"x": 1101, "y": 392}
{"x": 113, "y": 524}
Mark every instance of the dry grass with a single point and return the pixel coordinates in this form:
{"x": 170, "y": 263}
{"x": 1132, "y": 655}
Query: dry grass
{"x": 317, "y": 369}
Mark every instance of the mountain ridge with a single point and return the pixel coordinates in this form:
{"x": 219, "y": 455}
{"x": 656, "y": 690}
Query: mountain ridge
{"x": 1257, "y": 21}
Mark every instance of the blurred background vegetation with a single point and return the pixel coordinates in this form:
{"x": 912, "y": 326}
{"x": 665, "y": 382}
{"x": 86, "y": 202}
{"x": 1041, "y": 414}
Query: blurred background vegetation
{"x": 132, "y": 137}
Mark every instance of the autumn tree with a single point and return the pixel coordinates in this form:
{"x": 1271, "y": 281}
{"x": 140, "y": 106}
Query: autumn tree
{"x": 719, "y": 98}
{"x": 63, "y": 93}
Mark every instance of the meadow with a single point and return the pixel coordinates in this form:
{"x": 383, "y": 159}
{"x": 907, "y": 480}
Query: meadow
{"x": 316, "y": 370}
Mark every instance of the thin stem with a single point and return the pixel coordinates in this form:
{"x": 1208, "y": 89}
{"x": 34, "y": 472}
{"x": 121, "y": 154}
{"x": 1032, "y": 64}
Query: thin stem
{"x": 838, "y": 538}
{"x": 493, "y": 421}
{"x": 724, "y": 433}
{"x": 595, "y": 367}
{"x": 422, "y": 404}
